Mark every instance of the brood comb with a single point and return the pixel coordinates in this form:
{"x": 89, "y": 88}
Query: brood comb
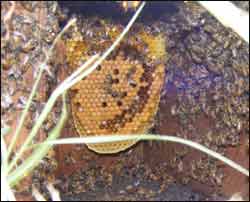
{"x": 121, "y": 96}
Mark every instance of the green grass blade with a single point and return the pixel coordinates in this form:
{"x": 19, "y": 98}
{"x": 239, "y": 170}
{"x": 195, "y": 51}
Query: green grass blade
{"x": 32, "y": 161}
{"x": 34, "y": 89}
{"x": 61, "y": 89}
{"x": 103, "y": 139}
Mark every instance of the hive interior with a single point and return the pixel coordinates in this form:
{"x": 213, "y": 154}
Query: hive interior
{"x": 121, "y": 96}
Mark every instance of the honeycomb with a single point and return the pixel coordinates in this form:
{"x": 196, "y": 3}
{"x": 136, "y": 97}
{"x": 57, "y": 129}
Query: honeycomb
{"x": 121, "y": 96}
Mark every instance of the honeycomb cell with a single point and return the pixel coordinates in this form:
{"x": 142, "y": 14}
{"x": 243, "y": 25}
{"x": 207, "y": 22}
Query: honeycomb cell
{"x": 119, "y": 103}
{"x": 121, "y": 96}
{"x": 104, "y": 104}
{"x": 116, "y": 71}
{"x": 99, "y": 68}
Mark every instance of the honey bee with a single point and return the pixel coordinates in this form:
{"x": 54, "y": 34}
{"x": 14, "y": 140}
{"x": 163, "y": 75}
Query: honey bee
{"x": 126, "y": 5}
